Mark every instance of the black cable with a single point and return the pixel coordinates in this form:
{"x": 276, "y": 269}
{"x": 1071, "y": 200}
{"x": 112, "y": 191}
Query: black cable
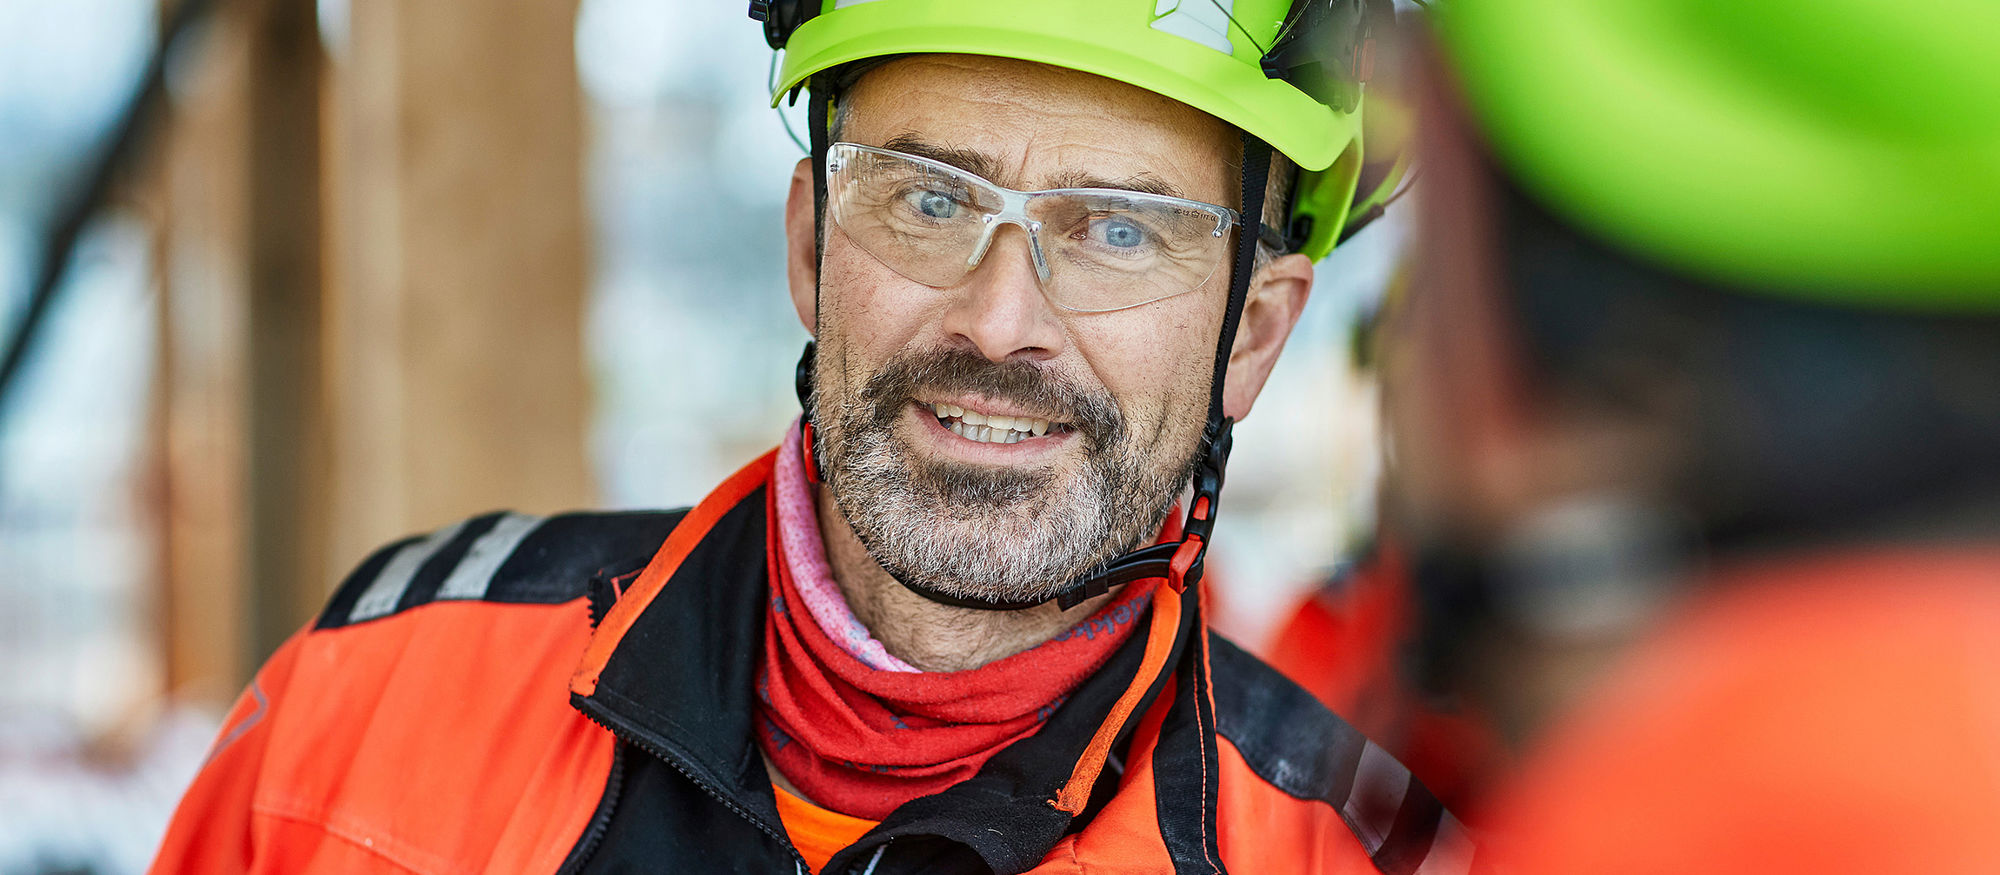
{"x": 131, "y": 128}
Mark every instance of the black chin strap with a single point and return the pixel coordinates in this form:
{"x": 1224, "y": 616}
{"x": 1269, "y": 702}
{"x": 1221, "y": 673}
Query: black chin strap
{"x": 817, "y": 102}
{"x": 817, "y": 121}
{"x": 1180, "y": 562}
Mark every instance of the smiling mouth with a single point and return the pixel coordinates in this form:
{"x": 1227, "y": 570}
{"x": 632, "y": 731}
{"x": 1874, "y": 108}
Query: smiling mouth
{"x": 992, "y": 428}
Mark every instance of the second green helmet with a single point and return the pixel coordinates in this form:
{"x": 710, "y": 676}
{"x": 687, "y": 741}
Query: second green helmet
{"x": 1840, "y": 151}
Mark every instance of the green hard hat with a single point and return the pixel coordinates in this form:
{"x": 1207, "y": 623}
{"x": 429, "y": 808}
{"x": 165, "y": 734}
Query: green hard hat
{"x": 1842, "y": 151}
{"x": 1204, "y": 53}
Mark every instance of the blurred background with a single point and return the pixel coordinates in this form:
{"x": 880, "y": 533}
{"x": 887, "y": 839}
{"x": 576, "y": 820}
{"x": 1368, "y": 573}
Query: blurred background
{"x": 368, "y": 267}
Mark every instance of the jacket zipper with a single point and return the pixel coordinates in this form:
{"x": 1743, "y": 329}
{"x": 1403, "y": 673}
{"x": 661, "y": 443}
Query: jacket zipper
{"x": 599, "y": 822}
{"x": 707, "y": 786}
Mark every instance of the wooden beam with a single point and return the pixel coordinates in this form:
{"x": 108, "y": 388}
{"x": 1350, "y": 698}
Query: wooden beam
{"x": 374, "y": 273}
{"x": 287, "y": 486}
{"x": 243, "y": 448}
{"x": 203, "y": 403}
{"x": 456, "y": 369}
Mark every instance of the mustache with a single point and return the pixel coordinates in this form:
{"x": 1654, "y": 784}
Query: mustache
{"x": 1093, "y": 414}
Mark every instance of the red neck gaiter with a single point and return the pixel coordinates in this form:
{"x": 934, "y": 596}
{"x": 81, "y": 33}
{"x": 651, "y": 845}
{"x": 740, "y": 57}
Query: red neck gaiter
{"x": 863, "y": 741}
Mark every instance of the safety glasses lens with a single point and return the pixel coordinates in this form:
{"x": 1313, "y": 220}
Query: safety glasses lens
{"x": 1093, "y": 250}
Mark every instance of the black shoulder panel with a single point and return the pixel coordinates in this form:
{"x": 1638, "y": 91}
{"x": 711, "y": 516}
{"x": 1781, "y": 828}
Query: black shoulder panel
{"x": 497, "y": 557}
{"x": 1298, "y": 746}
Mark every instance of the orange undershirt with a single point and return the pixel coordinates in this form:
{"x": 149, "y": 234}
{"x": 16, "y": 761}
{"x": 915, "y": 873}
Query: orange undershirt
{"x": 817, "y": 832}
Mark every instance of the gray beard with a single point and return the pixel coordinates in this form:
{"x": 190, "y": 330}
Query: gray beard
{"x": 978, "y": 533}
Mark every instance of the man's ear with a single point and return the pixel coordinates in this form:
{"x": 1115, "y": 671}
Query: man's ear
{"x": 1276, "y": 298}
{"x": 801, "y": 250}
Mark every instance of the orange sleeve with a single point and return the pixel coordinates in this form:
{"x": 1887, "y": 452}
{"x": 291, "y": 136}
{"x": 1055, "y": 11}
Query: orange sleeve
{"x": 211, "y": 830}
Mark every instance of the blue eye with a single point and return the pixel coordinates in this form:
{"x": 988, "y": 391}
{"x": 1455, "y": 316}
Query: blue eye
{"x": 1121, "y": 234}
{"x": 936, "y": 204}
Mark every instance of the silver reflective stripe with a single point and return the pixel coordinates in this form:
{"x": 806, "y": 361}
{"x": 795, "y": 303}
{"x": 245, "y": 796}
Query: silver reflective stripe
{"x": 256, "y": 716}
{"x": 1379, "y": 785}
{"x": 875, "y": 860}
{"x": 387, "y": 589}
{"x": 475, "y": 571}
{"x": 1204, "y": 22}
{"x": 1451, "y": 851}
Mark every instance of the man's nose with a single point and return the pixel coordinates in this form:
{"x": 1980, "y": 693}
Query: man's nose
{"x": 1000, "y": 307}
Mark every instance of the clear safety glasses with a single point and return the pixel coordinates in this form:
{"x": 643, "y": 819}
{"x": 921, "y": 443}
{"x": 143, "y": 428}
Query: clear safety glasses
{"x": 1094, "y": 249}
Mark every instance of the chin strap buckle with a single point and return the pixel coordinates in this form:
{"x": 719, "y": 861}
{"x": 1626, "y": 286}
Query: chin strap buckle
{"x": 1208, "y": 478}
{"x": 802, "y": 382}
{"x": 806, "y": 449}
{"x": 1189, "y": 559}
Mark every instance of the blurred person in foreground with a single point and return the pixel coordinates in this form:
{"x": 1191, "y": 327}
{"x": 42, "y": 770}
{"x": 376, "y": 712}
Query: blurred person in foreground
{"x": 1347, "y": 639}
{"x": 1048, "y": 252}
{"x": 1700, "y": 447}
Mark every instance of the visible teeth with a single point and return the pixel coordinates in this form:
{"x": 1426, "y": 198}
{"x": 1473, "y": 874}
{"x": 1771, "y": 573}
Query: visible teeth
{"x": 987, "y": 427}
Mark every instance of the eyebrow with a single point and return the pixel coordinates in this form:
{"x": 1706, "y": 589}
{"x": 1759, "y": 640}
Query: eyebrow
{"x": 984, "y": 165}
{"x": 1140, "y": 182}
{"x": 968, "y": 160}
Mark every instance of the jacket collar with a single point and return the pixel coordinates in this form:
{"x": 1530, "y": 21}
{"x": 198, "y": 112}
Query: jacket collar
{"x": 672, "y": 669}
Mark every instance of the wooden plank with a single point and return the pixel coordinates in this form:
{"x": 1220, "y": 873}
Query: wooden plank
{"x": 374, "y": 273}
{"x": 287, "y": 422}
{"x": 203, "y": 401}
{"x": 456, "y": 366}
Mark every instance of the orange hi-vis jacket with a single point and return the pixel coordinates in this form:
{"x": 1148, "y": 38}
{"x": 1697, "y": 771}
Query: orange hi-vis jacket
{"x": 576, "y": 694}
{"x": 1833, "y": 715}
